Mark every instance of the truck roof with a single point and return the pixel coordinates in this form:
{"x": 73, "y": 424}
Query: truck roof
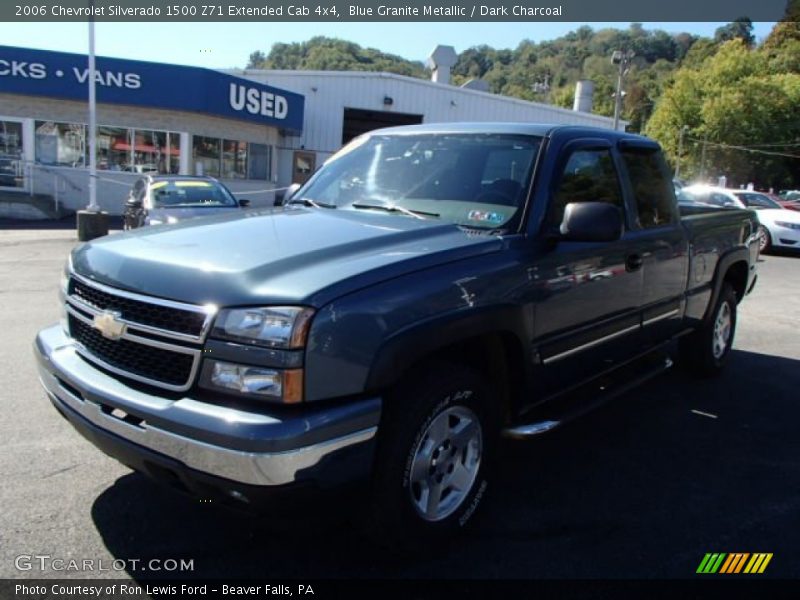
{"x": 538, "y": 129}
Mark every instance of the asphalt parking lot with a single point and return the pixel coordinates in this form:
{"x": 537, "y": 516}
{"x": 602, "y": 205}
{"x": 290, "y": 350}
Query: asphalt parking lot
{"x": 641, "y": 488}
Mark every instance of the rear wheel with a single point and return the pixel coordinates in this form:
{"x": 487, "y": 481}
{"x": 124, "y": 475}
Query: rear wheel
{"x": 707, "y": 349}
{"x": 437, "y": 442}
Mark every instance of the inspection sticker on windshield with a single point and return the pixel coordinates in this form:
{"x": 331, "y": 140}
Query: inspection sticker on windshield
{"x": 485, "y": 216}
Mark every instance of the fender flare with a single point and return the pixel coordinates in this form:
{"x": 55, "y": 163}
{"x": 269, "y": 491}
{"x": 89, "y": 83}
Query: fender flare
{"x": 407, "y": 346}
{"x": 726, "y": 261}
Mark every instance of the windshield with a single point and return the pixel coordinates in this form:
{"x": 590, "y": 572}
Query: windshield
{"x": 753, "y": 200}
{"x": 190, "y": 194}
{"x": 475, "y": 180}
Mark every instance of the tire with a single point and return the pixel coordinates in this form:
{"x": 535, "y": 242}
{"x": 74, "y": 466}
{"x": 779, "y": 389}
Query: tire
{"x": 706, "y": 351}
{"x": 438, "y": 436}
{"x": 764, "y": 240}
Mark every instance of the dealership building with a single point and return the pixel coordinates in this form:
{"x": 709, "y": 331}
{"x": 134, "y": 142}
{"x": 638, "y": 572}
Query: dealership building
{"x": 255, "y": 130}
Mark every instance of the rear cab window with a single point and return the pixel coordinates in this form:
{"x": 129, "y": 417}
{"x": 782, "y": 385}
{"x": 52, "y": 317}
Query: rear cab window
{"x": 651, "y": 184}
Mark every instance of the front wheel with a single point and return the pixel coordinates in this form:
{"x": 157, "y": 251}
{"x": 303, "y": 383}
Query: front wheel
{"x": 764, "y": 240}
{"x": 706, "y": 350}
{"x": 438, "y": 435}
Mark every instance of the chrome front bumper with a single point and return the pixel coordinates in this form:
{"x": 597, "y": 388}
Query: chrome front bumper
{"x": 267, "y": 448}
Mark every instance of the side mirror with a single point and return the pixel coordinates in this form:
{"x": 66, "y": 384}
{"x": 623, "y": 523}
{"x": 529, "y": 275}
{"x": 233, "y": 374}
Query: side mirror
{"x": 287, "y": 195}
{"x": 591, "y": 222}
{"x": 244, "y": 202}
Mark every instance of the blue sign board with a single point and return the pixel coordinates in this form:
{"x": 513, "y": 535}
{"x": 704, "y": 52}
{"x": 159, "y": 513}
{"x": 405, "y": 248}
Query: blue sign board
{"x": 153, "y": 85}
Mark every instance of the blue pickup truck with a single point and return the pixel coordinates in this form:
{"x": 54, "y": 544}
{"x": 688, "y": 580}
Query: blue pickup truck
{"x": 430, "y": 289}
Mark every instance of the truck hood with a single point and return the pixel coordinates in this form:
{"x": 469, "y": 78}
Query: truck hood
{"x": 292, "y": 256}
{"x": 171, "y": 215}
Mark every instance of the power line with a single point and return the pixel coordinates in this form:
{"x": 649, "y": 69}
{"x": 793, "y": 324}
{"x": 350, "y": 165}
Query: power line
{"x": 781, "y": 145}
{"x": 745, "y": 148}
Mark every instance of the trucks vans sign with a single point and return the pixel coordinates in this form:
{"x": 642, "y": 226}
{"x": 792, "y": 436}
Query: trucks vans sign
{"x": 152, "y": 85}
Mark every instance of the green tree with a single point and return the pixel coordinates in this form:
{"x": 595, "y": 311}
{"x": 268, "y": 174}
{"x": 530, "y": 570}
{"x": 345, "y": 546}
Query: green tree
{"x": 742, "y": 105}
{"x": 256, "y": 60}
{"x": 323, "y": 53}
{"x": 741, "y": 29}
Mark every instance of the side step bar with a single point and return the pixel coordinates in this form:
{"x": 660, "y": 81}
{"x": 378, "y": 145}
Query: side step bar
{"x": 543, "y": 424}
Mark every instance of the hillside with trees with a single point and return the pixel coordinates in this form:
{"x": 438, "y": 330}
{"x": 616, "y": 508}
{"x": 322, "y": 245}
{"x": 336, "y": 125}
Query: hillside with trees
{"x": 727, "y": 91}
{"x": 328, "y": 54}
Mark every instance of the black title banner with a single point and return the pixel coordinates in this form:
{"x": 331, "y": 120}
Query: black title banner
{"x": 393, "y": 10}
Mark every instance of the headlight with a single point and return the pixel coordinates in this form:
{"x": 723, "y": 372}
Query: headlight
{"x": 271, "y": 384}
{"x": 787, "y": 225}
{"x": 275, "y": 327}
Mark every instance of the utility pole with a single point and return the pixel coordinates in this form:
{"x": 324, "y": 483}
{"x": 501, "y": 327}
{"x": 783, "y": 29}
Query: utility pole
{"x": 683, "y": 130}
{"x": 543, "y": 87}
{"x": 621, "y": 58}
{"x": 703, "y": 159}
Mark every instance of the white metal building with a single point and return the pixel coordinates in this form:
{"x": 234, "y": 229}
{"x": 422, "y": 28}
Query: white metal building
{"x": 340, "y": 105}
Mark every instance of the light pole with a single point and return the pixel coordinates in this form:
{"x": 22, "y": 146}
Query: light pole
{"x": 92, "y": 222}
{"x": 92, "y": 121}
{"x": 621, "y": 58}
{"x": 683, "y": 130}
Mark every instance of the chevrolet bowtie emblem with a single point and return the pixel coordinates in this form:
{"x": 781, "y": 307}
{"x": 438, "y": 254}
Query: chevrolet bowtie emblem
{"x": 108, "y": 324}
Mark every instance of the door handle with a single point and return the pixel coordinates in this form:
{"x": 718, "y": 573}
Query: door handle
{"x": 634, "y": 262}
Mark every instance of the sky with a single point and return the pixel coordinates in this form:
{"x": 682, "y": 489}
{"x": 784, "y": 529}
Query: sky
{"x": 228, "y": 45}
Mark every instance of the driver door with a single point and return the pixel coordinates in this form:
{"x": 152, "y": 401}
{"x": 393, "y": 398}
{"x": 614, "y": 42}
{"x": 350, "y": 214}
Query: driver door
{"x": 588, "y": 293}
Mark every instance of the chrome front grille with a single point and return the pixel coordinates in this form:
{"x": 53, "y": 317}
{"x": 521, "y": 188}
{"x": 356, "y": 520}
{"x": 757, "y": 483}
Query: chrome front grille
{"x": 133, "y": 358}
{"x": 157, "y": 316}
{"x": 160, "y": 340}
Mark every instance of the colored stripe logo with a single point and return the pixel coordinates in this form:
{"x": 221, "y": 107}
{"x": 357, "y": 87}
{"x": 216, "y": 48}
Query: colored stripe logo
{"x": 734, "y": 562}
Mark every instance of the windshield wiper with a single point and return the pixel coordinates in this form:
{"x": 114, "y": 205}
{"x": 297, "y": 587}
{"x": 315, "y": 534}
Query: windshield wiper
{"x": 310, "y": 202}
{"x": 417, "y": 214}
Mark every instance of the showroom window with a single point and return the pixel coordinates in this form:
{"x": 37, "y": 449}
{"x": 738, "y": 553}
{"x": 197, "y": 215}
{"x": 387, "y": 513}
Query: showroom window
{"x": 260, "y": 165}
{"x": 205, "y": 152}
{"x": 11, "y": 163}
{"x": 231, "y": 159}
{"x": 234, "y": 159}
{"x": 114, "y": 149}
{"x": 118, "y": 148}
{"x": 62, "y": 144}
{"x": 156, "y": 151}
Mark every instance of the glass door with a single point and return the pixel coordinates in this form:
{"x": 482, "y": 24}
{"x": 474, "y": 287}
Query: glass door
{"x": 12, "y": 164}
{"x": 303, "y": 166}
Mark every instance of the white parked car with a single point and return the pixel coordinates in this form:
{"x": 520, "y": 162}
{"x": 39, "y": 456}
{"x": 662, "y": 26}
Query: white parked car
{"x": 780, "y": 228}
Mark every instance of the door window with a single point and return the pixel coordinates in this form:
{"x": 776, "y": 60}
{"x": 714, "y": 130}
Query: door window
{"x": 588, "y": 176}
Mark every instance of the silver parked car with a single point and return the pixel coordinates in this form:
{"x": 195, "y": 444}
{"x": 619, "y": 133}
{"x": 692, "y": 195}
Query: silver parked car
{"x": 158, "y": 199}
